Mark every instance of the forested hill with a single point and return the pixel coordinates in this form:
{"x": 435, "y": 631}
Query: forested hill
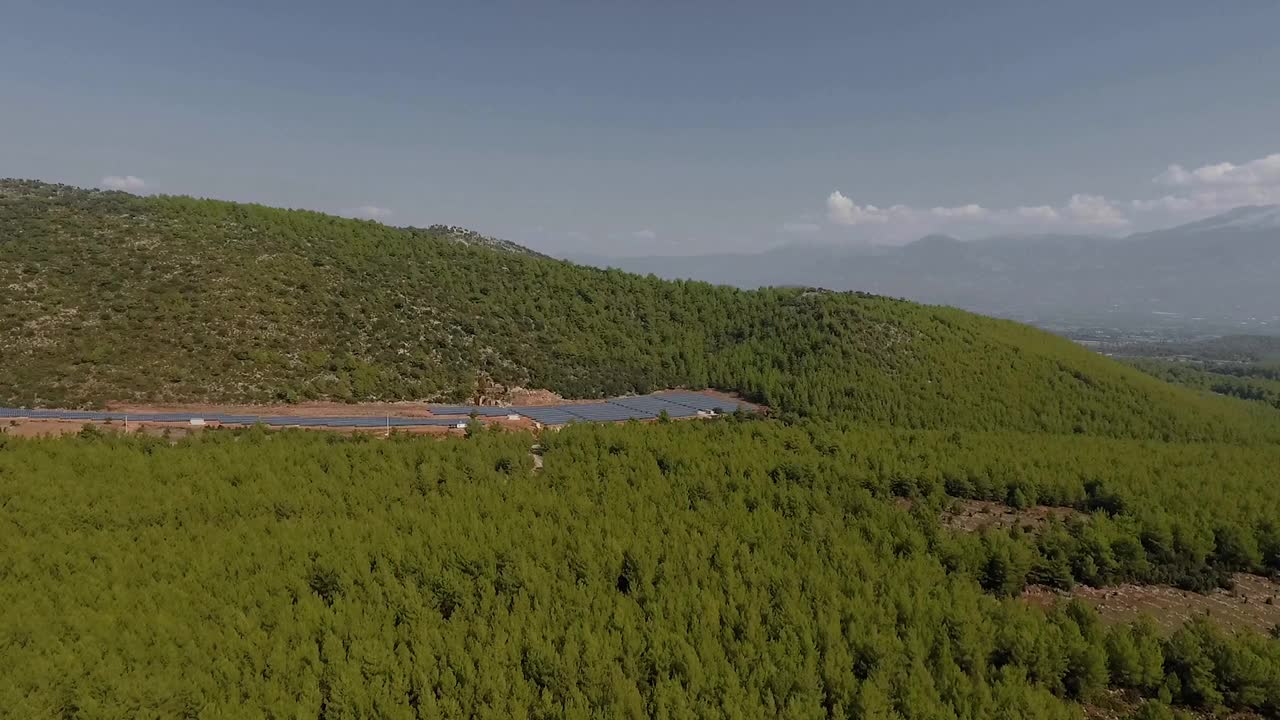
{"x": 106, "y": 296}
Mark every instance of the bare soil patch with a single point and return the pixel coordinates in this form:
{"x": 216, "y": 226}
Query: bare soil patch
{"x": 532, "y": 398}
{"x": 39, "y": 428}
{"x": 56, "y": 428}
{"x": 978, "y": 515}
{"x": 1253, "y": 603}
{"x": 1119, "y": 704}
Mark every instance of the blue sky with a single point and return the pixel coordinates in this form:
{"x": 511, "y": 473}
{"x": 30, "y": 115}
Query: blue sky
{"x": 659, "y": 127}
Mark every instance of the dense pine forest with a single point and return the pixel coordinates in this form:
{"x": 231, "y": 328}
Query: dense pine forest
{"x": 798, "y": 565}
{"x": 724, "y": 569}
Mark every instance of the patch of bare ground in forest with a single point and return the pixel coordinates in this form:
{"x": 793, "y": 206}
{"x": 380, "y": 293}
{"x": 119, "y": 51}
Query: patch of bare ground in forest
{"x": 524, "y": 397}
{"x": 977, "y": 515}
{"x": 1119, "y": 704}
{"x": 57, "y": 428}
{"x": 1252, "y": 603}
{"x": 40, "y": 428}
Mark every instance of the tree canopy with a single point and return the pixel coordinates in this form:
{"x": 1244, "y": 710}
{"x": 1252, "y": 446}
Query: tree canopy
{"x": 736, "y": 569}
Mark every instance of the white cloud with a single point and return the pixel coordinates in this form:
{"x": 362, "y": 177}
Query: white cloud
{"x": 1169, "y": 204}
{"x": 1095, "y": 210}
{"x": 1263, "y": 171}
{"x": 1037, "y": 213}
{"x": 843, "y": 211}
{"x": 1215, "y": 188}
{"x": 123, "y": 182}
{"x": 964, "y": 212}
{"x": 645, "y": 234}
{"x": 1192, "y": 194}
{"x": 1211, "y": 201}
{"x": 1174, "y": 175}
{"x": 369, "y": 212}
{"x": 1081, "y": 212}
{"x": 800, "y": 228}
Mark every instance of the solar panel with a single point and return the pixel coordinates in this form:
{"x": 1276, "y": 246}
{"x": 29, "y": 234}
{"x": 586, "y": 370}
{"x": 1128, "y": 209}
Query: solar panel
{"x": 655, "y": 406}
{"x": 425, "y": 422}
{"x": 465, "y": 410}
{"x": 235, "y": 419}
{"x": 698, "y": 401}
{"x": 605, "y": 412}
{"x": 548, "y": 415}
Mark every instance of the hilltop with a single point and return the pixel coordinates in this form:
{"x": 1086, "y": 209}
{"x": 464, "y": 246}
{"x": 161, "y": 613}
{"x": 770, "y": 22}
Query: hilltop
{"x": 107, "y": 296}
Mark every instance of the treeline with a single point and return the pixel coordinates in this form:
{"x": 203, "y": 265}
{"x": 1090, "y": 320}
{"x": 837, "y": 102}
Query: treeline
{"x": 1237, "y": 349}
{"x": 112, "y": 297}
{"x": 1258, "y": 383}
{"x": 718, "y": 569}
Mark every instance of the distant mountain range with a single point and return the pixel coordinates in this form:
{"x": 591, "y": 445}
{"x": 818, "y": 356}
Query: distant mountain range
{"x": 1218, "y": 273}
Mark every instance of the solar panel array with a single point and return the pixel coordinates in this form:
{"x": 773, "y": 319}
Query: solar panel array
{"x": 549, "y": 415}
{"x": 466, "y": 410}
{"x": 224, "y": 419}
{"x": 655, "y": 406}
{"x": 605, "y": 412}
{"x": 706, "y": 403}
{"x": 642, "y": 407}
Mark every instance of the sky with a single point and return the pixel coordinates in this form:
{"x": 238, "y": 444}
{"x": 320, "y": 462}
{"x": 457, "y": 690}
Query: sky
{"x": 659, "y": 128}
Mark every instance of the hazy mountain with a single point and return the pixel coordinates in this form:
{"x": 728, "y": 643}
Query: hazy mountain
{"x": 1217, "y": 272}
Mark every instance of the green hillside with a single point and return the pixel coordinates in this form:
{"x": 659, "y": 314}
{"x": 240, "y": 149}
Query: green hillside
{"x": 105, "y": 296}
{"x": 800, "y": 566}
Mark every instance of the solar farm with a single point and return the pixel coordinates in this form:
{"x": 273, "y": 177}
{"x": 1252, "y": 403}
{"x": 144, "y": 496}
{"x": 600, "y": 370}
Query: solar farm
{"x": 675, "y": 405}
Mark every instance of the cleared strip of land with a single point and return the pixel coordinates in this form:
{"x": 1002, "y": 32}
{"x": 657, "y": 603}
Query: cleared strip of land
{"x": 1253, "y": 603}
